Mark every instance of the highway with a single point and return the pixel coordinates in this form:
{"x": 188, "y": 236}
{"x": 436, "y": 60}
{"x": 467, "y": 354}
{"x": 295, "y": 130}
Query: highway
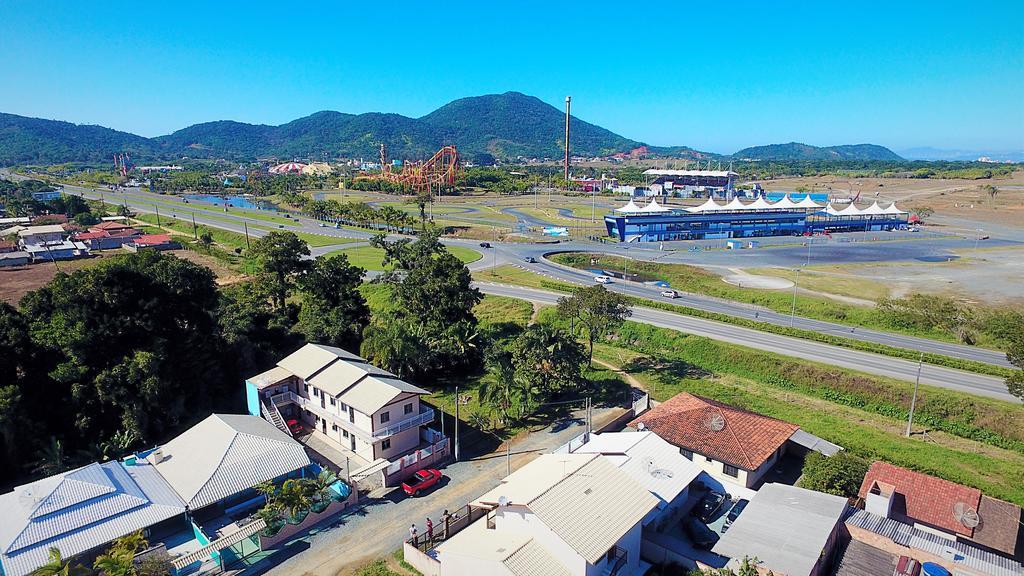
{"x": 876, "y": 364}
{"x": 516, "y": 253}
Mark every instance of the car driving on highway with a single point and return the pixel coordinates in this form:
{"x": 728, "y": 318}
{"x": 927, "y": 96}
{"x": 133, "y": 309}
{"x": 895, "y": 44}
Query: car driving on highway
{"x": 670, "y": 294}
{"x": 602, "y": 279}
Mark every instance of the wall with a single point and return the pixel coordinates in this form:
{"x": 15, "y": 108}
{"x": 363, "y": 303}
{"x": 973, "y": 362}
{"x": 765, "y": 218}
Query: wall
{"x": 425, "y": 564}
{"x": 311, "y": 519}
{"x": 252, "y": 399}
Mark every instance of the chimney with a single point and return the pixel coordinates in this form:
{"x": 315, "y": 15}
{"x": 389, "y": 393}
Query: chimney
{"x": 157, "y": 456}
{"x": 878, "y": 500}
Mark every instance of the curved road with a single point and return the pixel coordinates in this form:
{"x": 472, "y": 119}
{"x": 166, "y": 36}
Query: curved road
{"x": 504, "y": 253}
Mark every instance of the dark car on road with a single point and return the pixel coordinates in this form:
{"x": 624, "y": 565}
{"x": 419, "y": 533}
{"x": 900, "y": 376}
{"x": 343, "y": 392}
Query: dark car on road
{"x": 530, "y": 260}
{"x": 702, "y": 536}
{"x": 485, "y": 244}
{"x": 709, "y": 505}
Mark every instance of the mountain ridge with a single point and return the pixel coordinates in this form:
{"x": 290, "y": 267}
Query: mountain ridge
{"x": 800, "y": 151}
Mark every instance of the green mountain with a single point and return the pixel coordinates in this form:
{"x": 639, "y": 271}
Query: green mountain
{"x": 36, "y": 141}
{"x": 798, "y": 151}
{"x": 502, "y": 125}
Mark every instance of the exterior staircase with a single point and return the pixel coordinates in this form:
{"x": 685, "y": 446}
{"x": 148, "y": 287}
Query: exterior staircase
{"x": 273, "y": 415}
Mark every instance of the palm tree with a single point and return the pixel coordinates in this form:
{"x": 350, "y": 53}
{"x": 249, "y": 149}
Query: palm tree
{"x": 119, "y": 560}
{"x": 56, "y": 566}
{"x": 503, "y": 390}
{"x": 294, "y": 497}
{"x": 390, "y": 344}
{"x": 322, "y": 484}
{"x": 51, "y": 459}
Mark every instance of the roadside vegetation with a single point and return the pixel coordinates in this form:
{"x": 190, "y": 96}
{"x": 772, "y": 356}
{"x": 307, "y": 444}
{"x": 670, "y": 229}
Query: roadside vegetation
{"x": 929, "y": 316}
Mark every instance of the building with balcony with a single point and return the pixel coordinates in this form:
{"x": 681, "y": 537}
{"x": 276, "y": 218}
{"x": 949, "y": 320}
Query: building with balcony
{"x": 362, "y": 409}
{"x": 562, "y": 514}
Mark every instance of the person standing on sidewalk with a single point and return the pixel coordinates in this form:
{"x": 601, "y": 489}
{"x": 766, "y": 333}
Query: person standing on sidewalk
{"x": 430, "y": 529}
{"x": 413, "y": 532}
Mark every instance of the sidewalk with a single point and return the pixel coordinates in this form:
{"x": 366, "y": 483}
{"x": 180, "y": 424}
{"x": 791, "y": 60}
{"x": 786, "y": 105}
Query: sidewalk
{"x": 382, "y": 525}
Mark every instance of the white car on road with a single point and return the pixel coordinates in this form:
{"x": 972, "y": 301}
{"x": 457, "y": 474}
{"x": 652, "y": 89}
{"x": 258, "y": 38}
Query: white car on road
{"x": 670, "y": 294}
{"x": 602, "y": 279}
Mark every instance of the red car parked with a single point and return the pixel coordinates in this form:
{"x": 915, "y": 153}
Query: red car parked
{"x": 295, "y": 426}
{"x": 421, "y": 480}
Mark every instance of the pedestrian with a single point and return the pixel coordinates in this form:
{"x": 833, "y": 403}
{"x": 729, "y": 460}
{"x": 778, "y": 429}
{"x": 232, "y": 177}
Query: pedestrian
{"x": 412, "y": 532}
{"x": 430, "y": 529}
{"x": 445, "y": 517}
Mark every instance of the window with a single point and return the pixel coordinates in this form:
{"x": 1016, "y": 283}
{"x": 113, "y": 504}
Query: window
{"x": 408, "y": 408}
{"x": 686, "y": 453}
{"x": 385, "y": 417}
{"x": 306, "y": 387}
{"x": 344, "y": 408}
{"x": 386, "y": 444}
{"x": 316, "y": 392}
{"x": 730, "y": 470}
{"x": 344, "y": 433}
{"x": 333, "y": 401}
{"x": 334, "y": 427}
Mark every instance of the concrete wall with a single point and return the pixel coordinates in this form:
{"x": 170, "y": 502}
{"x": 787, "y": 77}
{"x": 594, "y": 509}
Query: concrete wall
{"x": 425, "y": 564}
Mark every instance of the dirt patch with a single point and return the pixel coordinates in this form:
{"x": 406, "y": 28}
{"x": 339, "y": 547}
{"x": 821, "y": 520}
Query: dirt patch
{"x": 17, "y": 281}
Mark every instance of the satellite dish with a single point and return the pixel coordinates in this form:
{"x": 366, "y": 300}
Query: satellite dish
{"x": 502, "y": 501}
{"x": 716, "y": 423}
{"x": 640, "y": 426}
{"x": 966, "y": 515}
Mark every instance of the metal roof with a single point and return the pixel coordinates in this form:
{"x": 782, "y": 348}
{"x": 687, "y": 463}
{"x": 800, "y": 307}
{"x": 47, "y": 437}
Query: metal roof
{"x": 534, "y": 560}
{"x": 225, "y": 454}
{"x": 80, "y": 510}
{"x": 707, "y": 173}
{"x": 312, "y": 358}
{"x": 270, "y": 377}
{"x": 785, "y": 527}
{"x": 812, "y": 442}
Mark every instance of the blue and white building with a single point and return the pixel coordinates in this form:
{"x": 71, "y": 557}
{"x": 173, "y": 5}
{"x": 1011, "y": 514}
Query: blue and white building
{"x": 711, "y": 220}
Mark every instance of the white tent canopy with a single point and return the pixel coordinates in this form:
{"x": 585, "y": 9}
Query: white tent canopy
{"x": 892, "y": 209}
{"x": 850, "y": 210}
{"x": 760, "y": 204}
{"x": 629, "y": 208}
{"x": 873, "y": 210}
{"x": 654, "y": 208}
{"x": 735, "y": 205}
{"x": 807, "y": 203}
{"x": 709, "y": 206}
{"x": 785, "y": 203}
{"x": 830, "y": 210}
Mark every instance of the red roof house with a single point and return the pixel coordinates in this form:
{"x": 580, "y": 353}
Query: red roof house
{"x": 917, "y": 498}
{"x": 110, "y": 226}
{"x": 730, "y": 440}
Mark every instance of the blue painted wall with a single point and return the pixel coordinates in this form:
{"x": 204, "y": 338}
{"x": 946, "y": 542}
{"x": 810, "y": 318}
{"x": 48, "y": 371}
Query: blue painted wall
{"x": 252, "y": 399}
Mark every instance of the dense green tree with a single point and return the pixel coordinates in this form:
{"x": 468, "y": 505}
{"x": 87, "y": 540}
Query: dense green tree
{"x": 1015, "y": 354}
{"x": 56, "y": 565}
{"x": 131, "y": 344}
{"x": 391, "y": 342}
{"x": 596, "y": 311}
{"x": 254, "y": 332}
{"x": 280, "y": 257}
{"x": 502, "y": 390}
{"x": 86, "y": 219}
{"x": 333, "y": 310}
{"x": 546, "y": 360}
{"x": 840, "y": 474}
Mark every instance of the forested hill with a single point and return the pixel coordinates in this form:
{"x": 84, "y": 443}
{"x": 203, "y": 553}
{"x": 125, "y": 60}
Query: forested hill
{"x": 798, "y": 151}
{"x": 502, "y": 125}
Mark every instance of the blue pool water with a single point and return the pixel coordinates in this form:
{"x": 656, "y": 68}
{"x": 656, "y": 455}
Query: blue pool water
{"x": 234, "y": 201}
{"x": 341, "y": 489}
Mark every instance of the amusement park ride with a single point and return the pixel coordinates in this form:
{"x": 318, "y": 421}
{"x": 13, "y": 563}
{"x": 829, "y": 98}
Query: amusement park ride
{"x": 123, "y": 164}
{"x": 440, "y": 170}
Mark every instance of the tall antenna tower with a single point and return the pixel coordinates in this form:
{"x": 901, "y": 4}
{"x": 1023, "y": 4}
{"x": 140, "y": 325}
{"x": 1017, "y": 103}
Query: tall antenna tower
{"x": 568, "y": 105}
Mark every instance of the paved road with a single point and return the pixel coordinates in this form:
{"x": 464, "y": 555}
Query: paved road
{"x": 503, "y": 253}
{"x": 854, "y": 360}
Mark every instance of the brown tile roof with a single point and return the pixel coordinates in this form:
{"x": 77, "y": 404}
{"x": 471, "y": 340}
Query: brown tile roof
{"x": 152, "y": 239}
{"x": 1000, "y": 525}
{"x": 110, "y": 225}
{"x": 746, "y": 440}
{"x": 927, "y": 499}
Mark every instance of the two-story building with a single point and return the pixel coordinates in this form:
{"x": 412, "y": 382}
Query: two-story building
{"x": 562, "y": 514}
{"x": 360, "y": 408}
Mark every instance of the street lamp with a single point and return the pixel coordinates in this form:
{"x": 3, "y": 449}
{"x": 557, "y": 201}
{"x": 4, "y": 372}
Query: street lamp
{"x": 792, "y": 313}
{"x": 977, "y": 238}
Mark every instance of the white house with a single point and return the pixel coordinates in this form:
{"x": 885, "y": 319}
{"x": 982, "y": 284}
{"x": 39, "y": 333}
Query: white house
{"x": 360, "y": 408}
{"x": 562, "y": 514}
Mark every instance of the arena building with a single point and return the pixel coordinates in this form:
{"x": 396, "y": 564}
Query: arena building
{"x": 689, "y": 183}
{"x": 656, "y": 223}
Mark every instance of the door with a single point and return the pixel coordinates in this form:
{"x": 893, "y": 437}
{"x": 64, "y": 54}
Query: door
{"x": 323, "y": 425}
{"x": 352, "y": 439}
{"x": 323, "y": 400}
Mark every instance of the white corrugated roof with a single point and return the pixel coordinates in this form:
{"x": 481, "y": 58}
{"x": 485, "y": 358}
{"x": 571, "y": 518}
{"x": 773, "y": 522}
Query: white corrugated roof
{"x": 312, "y": 358}
{"x": 533, "y": 559}
{"x": 784, "y": 527}
{"x": 80, "y": 510}
{"x": 47, "y": 229}
{"x": 341, "y": 375}
{"x": 225, "y": 454}
{"x": 647, "y": 458}
{"x": 270, "y": 377}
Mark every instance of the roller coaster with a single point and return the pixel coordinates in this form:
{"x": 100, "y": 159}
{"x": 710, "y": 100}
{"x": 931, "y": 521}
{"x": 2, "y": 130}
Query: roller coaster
{"x": 440, "y": 170}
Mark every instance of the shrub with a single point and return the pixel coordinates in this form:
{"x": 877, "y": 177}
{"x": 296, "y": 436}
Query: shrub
{"x": 840, "y": 474}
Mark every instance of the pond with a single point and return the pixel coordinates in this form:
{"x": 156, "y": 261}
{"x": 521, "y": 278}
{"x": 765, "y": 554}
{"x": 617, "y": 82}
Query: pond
{"x": 937, "y": 258}
{"x": 250, "y": 202}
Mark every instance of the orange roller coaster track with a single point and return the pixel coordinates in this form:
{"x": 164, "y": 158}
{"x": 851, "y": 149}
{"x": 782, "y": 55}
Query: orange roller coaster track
{"x": 440, "y": 170}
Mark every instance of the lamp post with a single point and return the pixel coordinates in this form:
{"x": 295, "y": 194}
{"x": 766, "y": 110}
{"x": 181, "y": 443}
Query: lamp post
{"x": 913, "y": 399}
{"x": 792, "y": 313}
{"x": 977, "y": 238}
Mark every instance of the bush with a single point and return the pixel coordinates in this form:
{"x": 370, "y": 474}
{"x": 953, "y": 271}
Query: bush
{"x": 840, "y": 474}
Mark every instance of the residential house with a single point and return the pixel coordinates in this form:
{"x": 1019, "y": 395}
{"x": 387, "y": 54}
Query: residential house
{"x": 561, "y": 514}
{"x": 790, "y": 530}
{"x": 727, "y": 442}
{"x": 361, "y": 409}
{"x": 34, "y": 235}
{"x": 79, "y": 512}
{"x": 152, "y": 242}
{"x": 49, "y": 242}
{"x": 932, "y": 519}
{"x": 108, "y": 235}
{"x": 654, "y": 464}
{"x": 220, "y": 459}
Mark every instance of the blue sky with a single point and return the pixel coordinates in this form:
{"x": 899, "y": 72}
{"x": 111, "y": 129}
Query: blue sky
{"x": 718, "y": 78}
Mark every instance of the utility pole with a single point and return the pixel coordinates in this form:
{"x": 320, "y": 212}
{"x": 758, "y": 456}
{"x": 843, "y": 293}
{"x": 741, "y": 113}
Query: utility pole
{"x": 157, "y": 214}
{"x": 913, "y": 399}
{"x": 456, "y": 423}
{"x": 568, "y": 105}
{"x": 195, "y": 231}
{"x": 244, "y": 223}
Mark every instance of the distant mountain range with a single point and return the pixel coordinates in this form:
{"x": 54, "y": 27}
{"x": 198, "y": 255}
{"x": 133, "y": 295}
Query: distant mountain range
{"x": 929, "y": 153}
{"x": 798, "y": 151}
{"x": 502, "y": 126}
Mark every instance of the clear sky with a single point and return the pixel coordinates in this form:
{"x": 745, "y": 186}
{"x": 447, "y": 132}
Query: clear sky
{"x": 717, "y": 77}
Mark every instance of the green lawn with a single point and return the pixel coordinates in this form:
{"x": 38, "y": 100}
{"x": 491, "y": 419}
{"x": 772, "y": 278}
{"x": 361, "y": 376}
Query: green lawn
{"x": 372, "y": 258}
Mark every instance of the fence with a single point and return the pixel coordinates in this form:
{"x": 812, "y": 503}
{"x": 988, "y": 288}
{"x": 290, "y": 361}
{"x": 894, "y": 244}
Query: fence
{"x": 446, "y": 528}
{"x": 432, "y": 454}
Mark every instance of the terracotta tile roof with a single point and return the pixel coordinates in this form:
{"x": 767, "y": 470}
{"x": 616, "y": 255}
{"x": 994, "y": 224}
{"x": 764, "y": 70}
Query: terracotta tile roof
{"x": 926, "y": 499}
{"x": 90, "y": 235}
{"x": 110, "y": 226}
{"x": 746, "y": 440}
{"x": 152, "y": 239}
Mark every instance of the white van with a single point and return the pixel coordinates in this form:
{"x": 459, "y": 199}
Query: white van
{"x": 602, "y": 279}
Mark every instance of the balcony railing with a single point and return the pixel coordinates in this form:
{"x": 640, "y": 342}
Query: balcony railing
{"x": 341, "y": 421}
{"x": 426, "y": 415}
{"x": 616, "y": 562}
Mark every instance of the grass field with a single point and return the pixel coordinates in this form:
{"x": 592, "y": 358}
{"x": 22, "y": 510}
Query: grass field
{"x": 830, "y": 280}
{"x": 372, "y": 258}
